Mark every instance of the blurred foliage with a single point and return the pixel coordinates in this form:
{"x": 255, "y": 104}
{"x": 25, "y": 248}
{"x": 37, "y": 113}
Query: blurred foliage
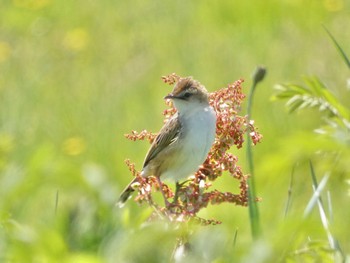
{"x": 337, "y": 116}
{"x": 316, "y": 95}
{"x": 75, "y": 76}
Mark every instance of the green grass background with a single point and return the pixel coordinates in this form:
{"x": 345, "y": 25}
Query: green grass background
{"x": 76, "y": 75}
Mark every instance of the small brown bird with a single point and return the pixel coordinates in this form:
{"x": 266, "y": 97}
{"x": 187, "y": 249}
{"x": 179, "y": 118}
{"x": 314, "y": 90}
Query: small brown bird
{"x": 184, "y": 141}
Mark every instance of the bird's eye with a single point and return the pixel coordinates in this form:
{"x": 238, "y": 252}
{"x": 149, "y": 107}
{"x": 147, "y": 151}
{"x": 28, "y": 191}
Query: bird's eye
{"x": 187, "y": 95}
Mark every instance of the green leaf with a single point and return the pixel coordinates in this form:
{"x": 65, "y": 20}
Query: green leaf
{"x": 339, "y": 48}
{"x": 313, "y": 95}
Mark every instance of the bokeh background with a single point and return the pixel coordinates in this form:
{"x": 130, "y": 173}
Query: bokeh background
{"x": 75, "y": 76}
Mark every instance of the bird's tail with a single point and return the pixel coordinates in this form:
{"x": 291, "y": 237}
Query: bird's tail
{"x": 126, "y": 194}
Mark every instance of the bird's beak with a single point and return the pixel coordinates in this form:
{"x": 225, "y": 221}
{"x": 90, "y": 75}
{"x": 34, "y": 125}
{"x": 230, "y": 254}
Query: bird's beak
{"x": 169, "y": 96}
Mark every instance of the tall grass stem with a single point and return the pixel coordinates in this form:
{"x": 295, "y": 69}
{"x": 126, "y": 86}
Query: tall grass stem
{"x": 257, "y": 77}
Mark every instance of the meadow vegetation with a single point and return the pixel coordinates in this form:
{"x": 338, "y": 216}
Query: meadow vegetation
{"x": 75, "y": 76}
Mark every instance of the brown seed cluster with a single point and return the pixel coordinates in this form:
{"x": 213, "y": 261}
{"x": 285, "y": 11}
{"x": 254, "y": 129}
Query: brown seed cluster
{"x": 143, "y": 135}
{"x": 194, "y": 194}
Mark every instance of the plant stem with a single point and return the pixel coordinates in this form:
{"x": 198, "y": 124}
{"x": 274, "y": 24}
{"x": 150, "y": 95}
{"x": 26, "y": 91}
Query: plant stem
{"x": 258, "y": 76}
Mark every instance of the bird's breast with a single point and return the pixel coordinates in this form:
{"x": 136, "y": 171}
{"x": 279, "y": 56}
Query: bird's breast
{"x": 194, "y": 143}
{"x": 199, "y": 133}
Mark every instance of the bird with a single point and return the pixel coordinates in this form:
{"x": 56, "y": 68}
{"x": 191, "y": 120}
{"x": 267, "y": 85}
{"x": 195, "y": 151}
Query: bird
{"x": 184, "y": 141}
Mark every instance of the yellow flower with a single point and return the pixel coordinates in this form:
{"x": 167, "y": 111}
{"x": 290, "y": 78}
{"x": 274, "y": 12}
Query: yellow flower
{"x": 333, "y": 5}
{"x": 6, "y": 143}
{"x": 31, "y": 4}
{"x": 5, "y": 51}
{"x": 76, "y": 39}
{"x": 74, "y": 146}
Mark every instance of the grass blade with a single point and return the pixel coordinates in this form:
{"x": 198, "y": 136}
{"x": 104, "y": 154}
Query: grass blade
{"x": 341, "y": 51}
{"x": 317, "y": 193}
{"x": 289, "y": 198}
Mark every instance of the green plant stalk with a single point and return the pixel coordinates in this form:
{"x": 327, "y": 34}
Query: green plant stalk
{"x": 290, "y": 190}
{"x": 339, "y": 48}
{"x": 318, "y": 188}
{"x": 258, "y": 76}
{"x": 316, "y": 199}
{"x": 252, "y": 204}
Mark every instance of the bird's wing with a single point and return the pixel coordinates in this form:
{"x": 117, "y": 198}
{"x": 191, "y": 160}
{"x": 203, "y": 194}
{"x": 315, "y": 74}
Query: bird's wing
{"x": 166, "y": 136}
